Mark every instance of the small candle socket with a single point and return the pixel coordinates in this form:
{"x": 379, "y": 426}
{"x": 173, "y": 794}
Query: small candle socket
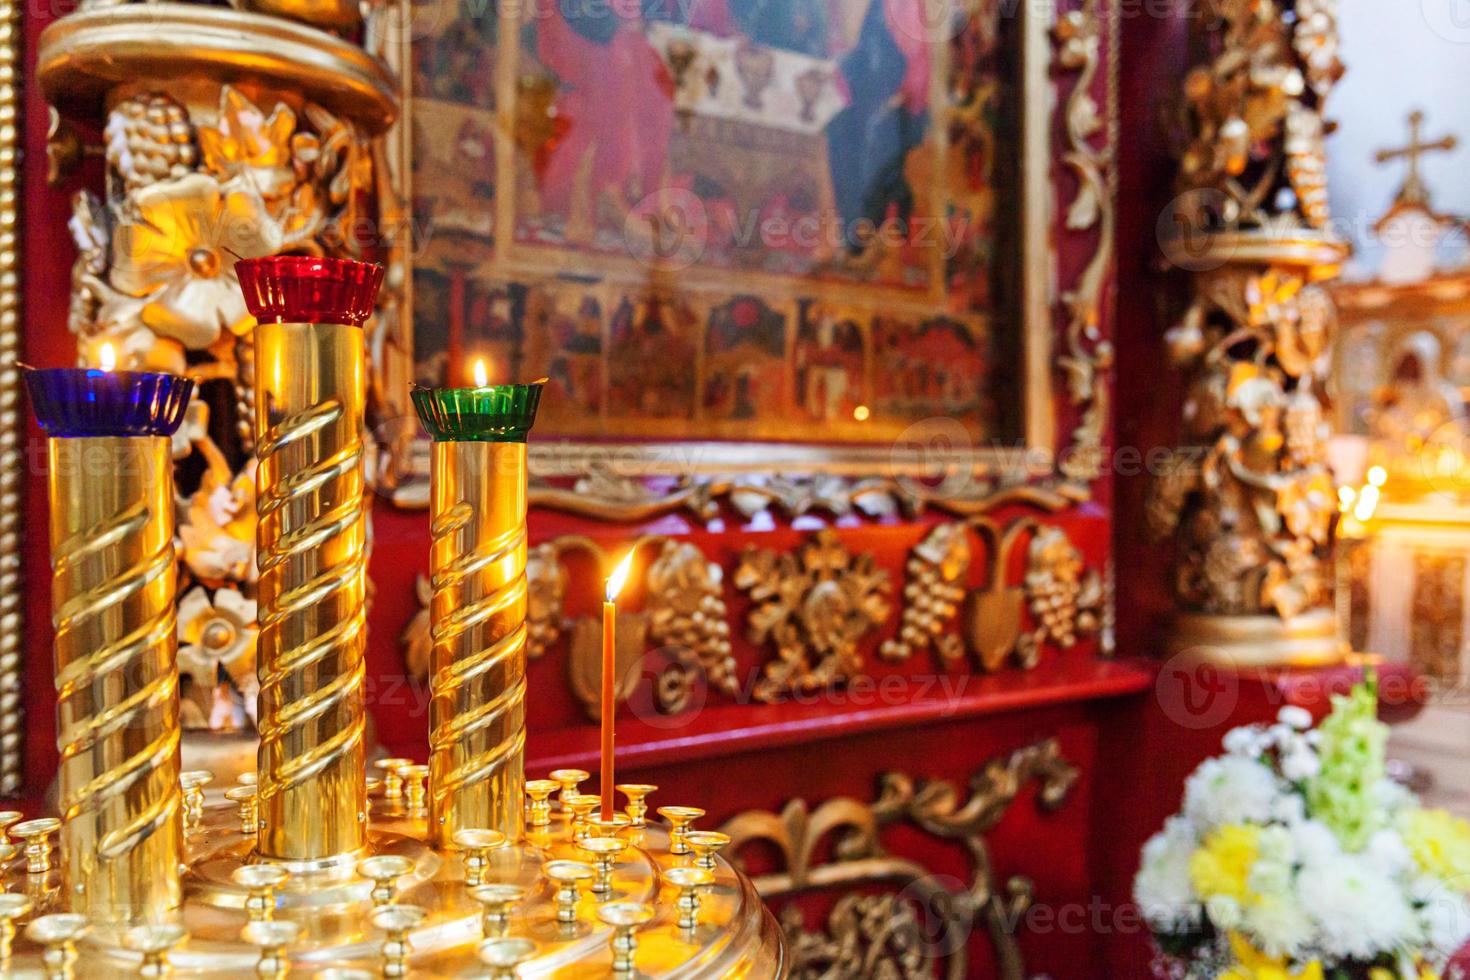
{"x": 397, "y": 921}
{"x": 539, "y": 812}
{"x": 384, "y": 870}
{"x": 689, "y": 882}
{"x": 8, "y": 818}
{"x": 261, "y": 882}
{"x": 244, "y": 799}
{"x": 604, "y": 852}
{"x": 393, "y": 777}
{"x": 580, "y": 805}
{"x": 568, "y": 877}
{"x": 637, "y": 794}
{"x": 477, "y": 845}
{"x": 193, "y": 781}
{"x": 625, "y": 918}
{"x": 569, "y": 780}
{"x": 154, "y": 942}
{"x": 58, "y": 934}
{"x": 681, "y": 820}
{"x": 496, "y": 900}
{"x": 614, "y": 826}
{"x": 35, "y": 835}
{"x": 272, "y": 937}
{"x": 705, "y": 844}
{"x": 502, "y": 955}
{"x": 12, "y": 907}
{"x": 415, "y": 780}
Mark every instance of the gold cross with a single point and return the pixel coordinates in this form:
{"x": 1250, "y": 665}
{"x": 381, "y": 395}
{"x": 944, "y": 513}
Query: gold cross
{"x": 1414, "y": 191}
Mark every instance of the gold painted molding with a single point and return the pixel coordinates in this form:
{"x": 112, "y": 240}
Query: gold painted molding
{"x": 12, "y": 427}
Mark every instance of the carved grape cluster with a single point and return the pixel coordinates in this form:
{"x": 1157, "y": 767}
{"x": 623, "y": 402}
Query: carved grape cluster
{"x": 932, "y": 595}
{"x": 149, "y": 139}
{"x": 688, "y": 617}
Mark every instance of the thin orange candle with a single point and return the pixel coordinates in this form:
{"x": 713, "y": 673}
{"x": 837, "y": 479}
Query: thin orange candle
{"x": 609, "y": 676}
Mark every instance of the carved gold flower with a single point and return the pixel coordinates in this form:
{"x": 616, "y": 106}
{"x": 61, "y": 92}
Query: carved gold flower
{"x": 176, "y": 245}
{"x": 215, "y": 633}
{"x": 245, "y": 142}
{"x": 218, "y": 529}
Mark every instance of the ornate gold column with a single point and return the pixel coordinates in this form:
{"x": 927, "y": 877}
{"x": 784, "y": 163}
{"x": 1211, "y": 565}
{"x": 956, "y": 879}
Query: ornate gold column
{"x": 1248, "y": 498}
{"x": 477, "y": 663}
{"x": 112, "y": 594}
{"x": 312, "y": 551}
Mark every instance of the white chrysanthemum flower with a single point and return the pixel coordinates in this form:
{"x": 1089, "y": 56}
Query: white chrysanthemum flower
{"x": 1394, "y": 796}
{"x": 1295, "y": 717}
{"x": 1299, "y": 763}
{"x": 1225, "y": 912}
{"x": 1316, "y": 844}
{"x": 1388, "y": 853}
{"x": 1231, "y": 789}
{"x": 1279, "y": 926}
{"x": 1290, "y": 809}
{"x": 1250, "y": 741}
{"x": 1445, "y": 922}
{"x": 1359, "y": 911}
{"x": 1162, "y": 888}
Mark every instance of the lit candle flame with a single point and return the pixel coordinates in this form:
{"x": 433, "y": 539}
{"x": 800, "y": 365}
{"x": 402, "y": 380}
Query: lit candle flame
{"x": 107, "y": 357}
{"x": 482, "y": 373}
{"x": 619, "y": 576}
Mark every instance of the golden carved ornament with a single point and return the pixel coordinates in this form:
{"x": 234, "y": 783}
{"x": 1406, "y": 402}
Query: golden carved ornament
{"x": 1087, "y": 356}
{"x": 12, "y": 463}
{"x": 1251, "y": 120}
{"x": 869, "y": 931}
{"x": 1063, "y": 595}
{"x": 688, "y": 620}
{"x": 1250, "y": 500}
{"x": 994, "y": 611}
{"x": 814, "y": 605}
{"x": 584, "y": 665}
{"x": 932, "y": 596}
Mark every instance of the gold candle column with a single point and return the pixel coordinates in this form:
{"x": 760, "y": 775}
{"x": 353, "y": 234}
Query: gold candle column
{"x": 477, "y": 664}
{"x": 117, "y": 705}
{"x": 310, "y": 385}
{"x": 477, "y": 667}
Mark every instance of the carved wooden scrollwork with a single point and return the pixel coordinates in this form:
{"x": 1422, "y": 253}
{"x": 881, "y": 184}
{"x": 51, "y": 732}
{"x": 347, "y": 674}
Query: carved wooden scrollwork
{"x": 870, "y": 932}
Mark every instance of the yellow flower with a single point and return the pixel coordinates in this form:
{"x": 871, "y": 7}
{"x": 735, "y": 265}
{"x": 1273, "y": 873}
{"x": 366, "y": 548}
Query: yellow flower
{"x": 176, "y": 248}
{"x": 1222, "y": 865}
{"x": 1252, "y": 964}
{"x": 1379, "y": 973}
{"x": 1439, "y": 842}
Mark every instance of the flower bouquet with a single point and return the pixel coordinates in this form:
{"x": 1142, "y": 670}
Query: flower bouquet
{"x": 1296, "y": 857}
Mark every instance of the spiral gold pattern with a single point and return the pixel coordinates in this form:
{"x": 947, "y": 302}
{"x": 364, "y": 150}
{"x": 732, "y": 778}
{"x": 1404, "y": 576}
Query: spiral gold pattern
{"x": 12, "y": 463}
{"x": 113, "y": 591}
{"x": 477, "y": 675}
{"x": 312, "y": 557}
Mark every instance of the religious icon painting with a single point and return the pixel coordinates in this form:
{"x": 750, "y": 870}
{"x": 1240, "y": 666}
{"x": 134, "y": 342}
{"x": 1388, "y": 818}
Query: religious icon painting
{"x": 744, "y": 375}
{"x": 565, "y": 337}
{"x": 653, "y": 346}
{"x": 829, "y": 368}
{"x": 709, "y": 204}
{"x": 927, "y": 367}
